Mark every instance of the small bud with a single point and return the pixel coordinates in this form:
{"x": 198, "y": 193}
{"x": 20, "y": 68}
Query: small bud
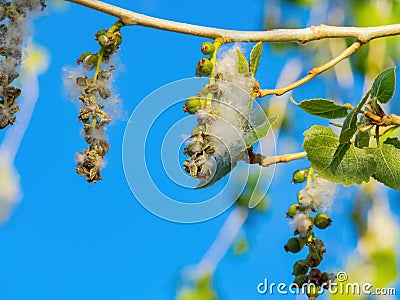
{"x": 192, "y": 105}
{"x": 299, "y": 176}
{"x": 207, "y": 48}
{"x": 204, "y": 67}
{"x": 300, "y": 280}
{"x": 300, "y": 267}
{"x": 322, "y": 221}
{"x": 90, "y": 62}
{"x": 292, "y": 211}
{"x": 294, "y": 245}
{"x": 103, "y": 40}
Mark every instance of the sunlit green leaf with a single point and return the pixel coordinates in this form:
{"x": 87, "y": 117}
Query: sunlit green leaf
{"x": 255, "y": 57}
{"x": 349, "y": 127}
{"x": 384, "y": 86}
{"x": 387, "y": 158}
{"x": 346, "y": 164}
{"x": 323, "y": 108}
{"x": 243, "y": 64}
{"x": 362, "y": 139}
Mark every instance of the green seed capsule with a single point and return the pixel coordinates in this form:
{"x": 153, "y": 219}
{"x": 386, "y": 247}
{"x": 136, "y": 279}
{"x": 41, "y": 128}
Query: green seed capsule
{"x": 300, "y": 267}
{"x": 294, "y": 245}
{"x": 300, "y": 280}
{"x": 90, "y": 61}
{"x": 322, "y": 221}
{"x": 312, "y": 291}
{"x": 299, "y": 176}
{"x": 83, "y": 56}
{"x": 318, "y": 245}
{"x": 292, "y": 211}
{"x": 313, "y": 259}
{"x": 192, "y": 105}
{"x": 204, "y": 67}
{"x": 207, "y": 48}
{"x": 103, "y": 40}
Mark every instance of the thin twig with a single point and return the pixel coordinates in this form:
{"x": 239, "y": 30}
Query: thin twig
{"x": 313, "y": 73}
{"x": 362, "y": 34}
{"x": 266, "y": 161}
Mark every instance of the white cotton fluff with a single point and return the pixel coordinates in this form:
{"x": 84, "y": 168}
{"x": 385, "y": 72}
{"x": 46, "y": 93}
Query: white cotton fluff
{"x": 69, "y": 75}
{"x": 80, "y": 157}
{"x": 302, "y": 223}
{"x": 233, "y": 107}
{"x": 319, "y": 195}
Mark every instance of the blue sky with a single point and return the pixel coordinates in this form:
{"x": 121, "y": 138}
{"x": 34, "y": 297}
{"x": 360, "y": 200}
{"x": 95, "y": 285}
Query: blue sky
{"x": 71, "y": 240}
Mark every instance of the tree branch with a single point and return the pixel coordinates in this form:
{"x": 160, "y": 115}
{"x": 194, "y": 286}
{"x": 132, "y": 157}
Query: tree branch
{"x": 362, "y": 34}
{"x": 266, "y": 161}
{"x": 313, "y": 73}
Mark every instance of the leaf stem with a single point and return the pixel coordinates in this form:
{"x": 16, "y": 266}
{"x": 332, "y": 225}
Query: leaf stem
{"x": 377, "y": 136}
{"x": 310, "y": 176}
{"x": 98, "y": 66}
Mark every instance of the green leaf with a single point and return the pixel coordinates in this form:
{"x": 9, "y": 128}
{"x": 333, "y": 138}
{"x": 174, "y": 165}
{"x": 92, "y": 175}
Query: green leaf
{"x": 362, "y": 139}
{"x": 323, "y": 108}
{"x": 259, "y": 132}
{"x": 255, "y": 57}
{"x": 393, "y": 141}
{"x": 343, "y": 164}
{"x": 349, "y": 127}
{"x": 387, "y": 158}
{"x": 384, "y": 86}
{"x": 338, "y": 156}
{"x": 243, "y": 64}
